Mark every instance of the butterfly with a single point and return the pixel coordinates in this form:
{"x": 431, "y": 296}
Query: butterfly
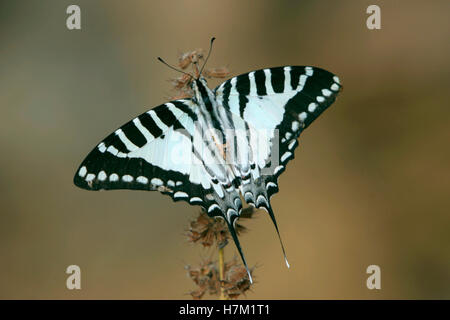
{"x": 219, "y": 146}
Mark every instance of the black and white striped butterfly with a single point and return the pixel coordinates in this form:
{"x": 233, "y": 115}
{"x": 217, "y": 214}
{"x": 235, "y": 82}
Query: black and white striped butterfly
{"x": 219, "y": 145}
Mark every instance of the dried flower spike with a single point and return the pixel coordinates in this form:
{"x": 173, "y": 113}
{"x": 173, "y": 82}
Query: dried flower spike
{"x": 209, "y": 231}
{"x": 190, "y": 57}
{"x": 236, "y": 280}
{"x": 221, "y": 72}
{"x": 206, "y": 277}
{"x": 181, "y": 82}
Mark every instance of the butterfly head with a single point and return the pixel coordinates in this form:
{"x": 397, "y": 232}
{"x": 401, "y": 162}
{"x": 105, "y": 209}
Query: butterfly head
{"x": 198, "y": 82}
{"x": 201, "y": 91}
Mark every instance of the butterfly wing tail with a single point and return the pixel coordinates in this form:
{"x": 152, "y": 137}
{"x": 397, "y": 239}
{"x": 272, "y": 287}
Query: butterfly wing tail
{"x": 232, "y": 230}
{"x": 269, "y": 210}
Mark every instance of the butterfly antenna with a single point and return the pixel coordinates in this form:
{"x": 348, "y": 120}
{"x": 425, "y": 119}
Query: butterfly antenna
{"x": 173, "y": 68}
{"x": 272, "y": 216}
{"x": 209, "y": 52}
{"x": 238, "y": 246}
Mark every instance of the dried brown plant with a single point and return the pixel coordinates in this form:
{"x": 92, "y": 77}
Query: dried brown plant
{"x": 208, "y": 231}
{"x": 187, "y": 58}
{"x": 207, "y": 278}
{"x": 221, "y": 72}
{"x": 182, "y": 84}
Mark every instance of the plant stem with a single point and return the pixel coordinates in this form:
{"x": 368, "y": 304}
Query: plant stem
{"x": 222, "y": 273}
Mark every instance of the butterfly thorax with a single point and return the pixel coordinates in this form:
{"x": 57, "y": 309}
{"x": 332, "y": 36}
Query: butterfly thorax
{"x": 212, "y": 125}
{"x": 203, "y": 95}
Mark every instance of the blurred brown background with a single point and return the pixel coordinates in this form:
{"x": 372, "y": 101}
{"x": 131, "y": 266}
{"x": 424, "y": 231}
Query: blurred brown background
{"x": 370, "y": 183}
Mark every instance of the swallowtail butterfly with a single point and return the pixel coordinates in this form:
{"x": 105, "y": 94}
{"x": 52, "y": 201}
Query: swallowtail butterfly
{"x": 218, "y": 146}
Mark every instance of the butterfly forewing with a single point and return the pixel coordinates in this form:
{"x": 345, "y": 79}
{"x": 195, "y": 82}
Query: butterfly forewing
{"x": 277, "y": 104}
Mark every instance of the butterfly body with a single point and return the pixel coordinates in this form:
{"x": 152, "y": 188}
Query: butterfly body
{"x": 217, "y": 146}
